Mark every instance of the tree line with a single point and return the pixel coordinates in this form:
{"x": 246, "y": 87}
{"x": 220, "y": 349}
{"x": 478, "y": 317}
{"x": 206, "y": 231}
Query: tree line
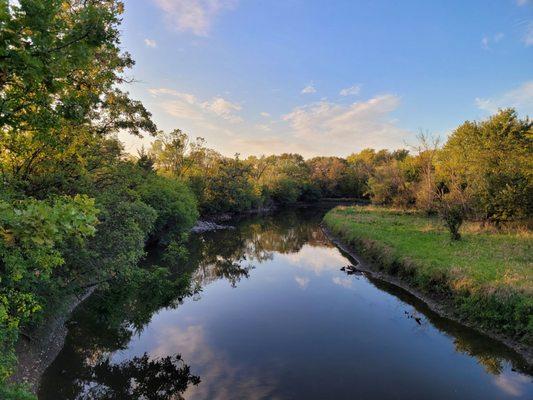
{"x": 482, "y": 172}
{"x": 77, "y": 212}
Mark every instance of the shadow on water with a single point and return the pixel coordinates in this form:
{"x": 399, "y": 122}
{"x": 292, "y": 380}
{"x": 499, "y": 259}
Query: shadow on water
{"x": 95, "y": 363}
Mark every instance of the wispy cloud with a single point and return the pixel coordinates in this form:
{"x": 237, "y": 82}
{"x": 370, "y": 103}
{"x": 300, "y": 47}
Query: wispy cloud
{"x": 223, "y": 108}
{"x": 350, "y": 91}
{"x": 194, "y": 16}
{"x": 309, "y": 89}
{"x": 341, "y": 129}
{"x": 512, "y": 385}
{"x": 302, "y": 281}
{"x": 344, "y": 282}
{"x": 317, "y": 128}
{"x": 520, "y": 98}
{"x": 186, "y": 105}
{"x": 264, "y": 114}
{"x": 150, "y": 43}
{"x": 486, "y": 41}
{"x": 522, "y": 2}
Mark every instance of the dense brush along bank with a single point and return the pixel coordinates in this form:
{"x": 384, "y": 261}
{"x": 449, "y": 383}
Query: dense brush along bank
{"x": 272, "y": 309}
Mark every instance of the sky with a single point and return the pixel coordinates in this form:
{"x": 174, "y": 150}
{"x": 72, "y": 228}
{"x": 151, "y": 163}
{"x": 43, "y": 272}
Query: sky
{"x": 327, "y": 77}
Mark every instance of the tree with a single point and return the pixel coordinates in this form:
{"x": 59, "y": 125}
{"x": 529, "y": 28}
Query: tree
{"x": 31, "y": 234}
{"x": 60, "y": 63}
{"x": 492, "y": 160}
{"x": 426, "y": 153}
{"x": 330, "y": 174}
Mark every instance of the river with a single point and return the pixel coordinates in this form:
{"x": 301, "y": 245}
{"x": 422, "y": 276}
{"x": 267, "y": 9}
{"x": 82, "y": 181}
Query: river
{"x": 272, "y": 316}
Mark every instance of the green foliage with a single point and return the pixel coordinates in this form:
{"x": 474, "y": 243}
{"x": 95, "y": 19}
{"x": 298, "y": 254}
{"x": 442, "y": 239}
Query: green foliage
{"x": 60, "y": 62}
{"x": 61, "y": 167}
{"x": 76, "y": 212}
{"x": 31, "y": 232}
{"x": 15, "y": 392}
{"x": 493, "y": 161}
{"x": 388, "y": 185}
{"x": 174, "y": 203}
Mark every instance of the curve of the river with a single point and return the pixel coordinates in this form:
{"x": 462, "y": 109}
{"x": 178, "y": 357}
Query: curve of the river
{"x": 272, "y": 316}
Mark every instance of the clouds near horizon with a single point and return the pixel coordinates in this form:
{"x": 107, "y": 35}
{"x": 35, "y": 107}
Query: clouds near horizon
{"x": 334, "y": 128}
{"x": 519, "y": 98}
{"x": 317, "y": 128}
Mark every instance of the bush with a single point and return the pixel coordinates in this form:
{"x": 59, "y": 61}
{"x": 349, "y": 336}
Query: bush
{"x": 174, "y": 203}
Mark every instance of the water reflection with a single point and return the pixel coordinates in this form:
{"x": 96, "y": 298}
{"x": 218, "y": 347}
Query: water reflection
{"x": 141, "y": 377}
{"x": 275, "y": 317}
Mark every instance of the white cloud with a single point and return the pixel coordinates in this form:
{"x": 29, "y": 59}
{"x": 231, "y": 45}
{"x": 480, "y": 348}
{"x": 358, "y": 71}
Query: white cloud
{"x": 309, "y": 89}
{"x": 150, "y": 43}
{"x": 317, "y": 128}
{"x": 223, "y": 108}
{"x": 528, "y": 35}
{"x": 302, "y": 281}
{"x": 213, "y": 364}
{"x": 520, "y": 98}
{"x": 350, "y": 91}
{"x": 512, "y": 384}
{"x": 186, "y": 105}
{"x": 264, "y": 114}
{"x": 344, "y": 282}
{"x": 330, "y": 128}
{"x": 194, "y": 16}
{"x": 485, "y": 43}
{"x": 522, "y": 2}
{"x": 316, "y": 259}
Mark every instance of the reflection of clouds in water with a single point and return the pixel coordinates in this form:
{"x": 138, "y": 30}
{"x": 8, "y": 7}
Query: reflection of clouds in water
{"x": 344, "y": 282}
{"x": 316, "y": 259}
{"x": 220, "y": 380}
{"x": 302, "y": 281}
{"x": 512, "y": 384}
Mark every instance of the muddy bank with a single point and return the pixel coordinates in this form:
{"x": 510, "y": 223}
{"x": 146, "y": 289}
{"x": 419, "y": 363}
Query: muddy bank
{"x": 38, "y": 350}
{"x": 438, "y": 304}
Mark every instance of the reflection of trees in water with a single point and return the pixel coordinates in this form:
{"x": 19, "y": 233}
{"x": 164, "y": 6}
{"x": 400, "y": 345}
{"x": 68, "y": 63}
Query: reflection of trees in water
{"x": 230, "y": 254}
{"x": 106, "y": 323}
{"x": 141, "y": 378}
{"x": 490, "y": 354}
{"x": 491, "y": 362}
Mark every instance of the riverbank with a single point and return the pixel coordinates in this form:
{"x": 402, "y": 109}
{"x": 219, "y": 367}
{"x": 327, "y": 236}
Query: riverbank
{"x": 36, "y": 353}
{"x": 485, "y": 280}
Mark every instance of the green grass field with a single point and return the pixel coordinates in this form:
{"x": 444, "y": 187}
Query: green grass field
{"x": 486, "y": 278}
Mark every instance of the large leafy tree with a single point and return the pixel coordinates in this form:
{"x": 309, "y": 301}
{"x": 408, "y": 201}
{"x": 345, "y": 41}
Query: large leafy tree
{"x": 61, "y": 73}
{"x": 492, "y": 162}
{"x": 60, "y": 67}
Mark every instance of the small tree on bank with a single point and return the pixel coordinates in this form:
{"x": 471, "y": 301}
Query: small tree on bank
{"x": 453, "y": 207}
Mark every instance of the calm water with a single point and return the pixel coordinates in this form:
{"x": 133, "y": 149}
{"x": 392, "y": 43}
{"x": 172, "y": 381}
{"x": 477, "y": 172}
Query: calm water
{"x": 274, "y": 317}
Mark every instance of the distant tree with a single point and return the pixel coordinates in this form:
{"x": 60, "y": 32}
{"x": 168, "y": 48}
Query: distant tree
{"x": 329, "y": 174}
{"x": 426, "y": 153}
{"x": 145, "y": 161}
{"x": 388, "y": 185}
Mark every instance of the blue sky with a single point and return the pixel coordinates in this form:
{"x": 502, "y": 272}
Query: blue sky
{"x": 326, "y": 77}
